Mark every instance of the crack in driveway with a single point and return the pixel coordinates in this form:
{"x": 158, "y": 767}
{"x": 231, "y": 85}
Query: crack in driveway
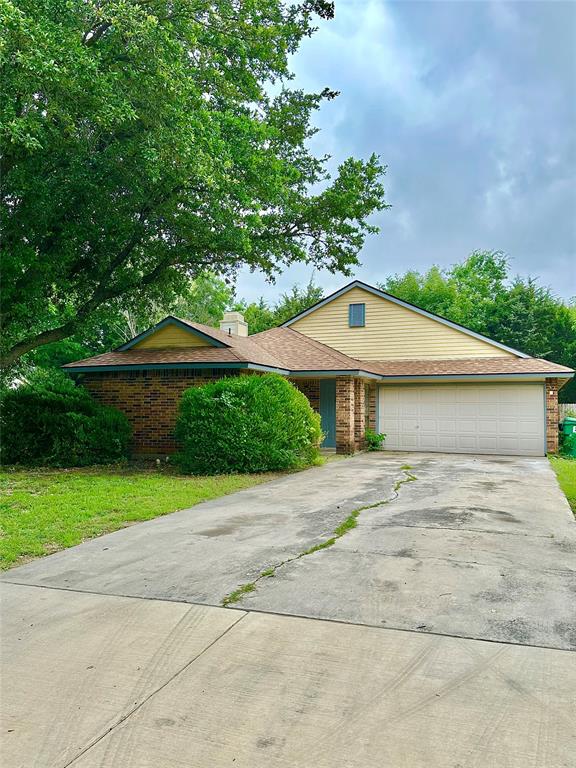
{"x": 344, "y": 527}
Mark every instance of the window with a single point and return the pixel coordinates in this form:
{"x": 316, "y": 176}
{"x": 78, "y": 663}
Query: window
{"x": 357, "y": 315}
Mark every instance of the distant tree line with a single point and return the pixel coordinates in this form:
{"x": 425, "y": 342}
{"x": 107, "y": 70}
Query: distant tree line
{"x": 482, "y": 294}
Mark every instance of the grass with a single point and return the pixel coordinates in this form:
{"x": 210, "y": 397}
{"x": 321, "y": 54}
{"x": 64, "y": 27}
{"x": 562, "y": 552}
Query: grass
{"x": 239, "y": 593}
{"x": 43, "y": 511}
{"x": 566, "y": 472}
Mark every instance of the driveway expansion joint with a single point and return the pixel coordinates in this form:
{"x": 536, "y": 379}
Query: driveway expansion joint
{"x": 122, "y": 719}
{"x": 344, "y": 527}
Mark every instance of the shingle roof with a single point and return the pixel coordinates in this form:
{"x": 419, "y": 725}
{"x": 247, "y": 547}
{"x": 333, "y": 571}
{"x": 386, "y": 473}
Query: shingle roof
{"x": 468, "y": 366}
{"x": 301, "y": 353}
{"x": 288, "y": 350}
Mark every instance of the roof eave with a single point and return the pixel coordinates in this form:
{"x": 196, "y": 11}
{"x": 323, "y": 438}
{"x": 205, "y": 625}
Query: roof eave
{"x": 539, "y": 376}
{"x": 126, "y": 367}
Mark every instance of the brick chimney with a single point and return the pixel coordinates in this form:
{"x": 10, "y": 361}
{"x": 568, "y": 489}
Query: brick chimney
{"x": 233, "y": 323}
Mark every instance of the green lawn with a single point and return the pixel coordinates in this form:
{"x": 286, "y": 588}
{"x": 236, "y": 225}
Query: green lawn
{"x": 566, "y": 471}
{"x": 46, "y": 510}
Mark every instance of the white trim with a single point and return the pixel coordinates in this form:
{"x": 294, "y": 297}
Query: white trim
{"x": 406, "y": 305}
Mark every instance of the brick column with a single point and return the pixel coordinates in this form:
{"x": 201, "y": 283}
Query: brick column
{"x": 345, "y": 414}
{"x": 552, "y": 415}
{"x": 359, "y": 414}
{"x": 373, "y": 390}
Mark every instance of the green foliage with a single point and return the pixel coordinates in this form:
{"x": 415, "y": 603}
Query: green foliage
{"x": 203, "y": 300}
{"x": 142, "y": 145}
{"x": 260, "y": 316}
{"x": 480, "y": 294}
{"x": 52, "y": 422}
{"x": 246, "y": 424}
{"x": 374, "y": 440}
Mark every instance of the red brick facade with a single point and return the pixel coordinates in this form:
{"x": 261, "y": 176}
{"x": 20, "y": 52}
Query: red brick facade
{"x": 359, "y": 414}
{"x": 150, "y": 401}
{"x": 372, "y": 408}
{"x": 552, "y": 415}
{"x": 345, "y": 436}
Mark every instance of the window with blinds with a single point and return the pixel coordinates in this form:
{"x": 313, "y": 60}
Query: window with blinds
{"x": 357, "y": 315}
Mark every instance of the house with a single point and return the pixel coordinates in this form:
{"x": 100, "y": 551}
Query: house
{"x": 364, "y": 358}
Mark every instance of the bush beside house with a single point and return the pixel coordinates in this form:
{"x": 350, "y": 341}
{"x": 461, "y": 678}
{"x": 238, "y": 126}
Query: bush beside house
{"x": 52, "y": 422}
{"x": 246, "y": 424}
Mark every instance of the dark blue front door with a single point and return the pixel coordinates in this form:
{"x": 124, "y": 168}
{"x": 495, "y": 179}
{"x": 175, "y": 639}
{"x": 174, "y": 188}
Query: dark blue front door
{"x": 328, "y": 411}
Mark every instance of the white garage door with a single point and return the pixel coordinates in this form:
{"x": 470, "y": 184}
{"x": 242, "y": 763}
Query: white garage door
{"x": 464, "y": 418}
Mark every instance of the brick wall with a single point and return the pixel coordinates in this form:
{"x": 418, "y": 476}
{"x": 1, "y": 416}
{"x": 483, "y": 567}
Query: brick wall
{"x": 359, "y": 414}
{"x": 150, "y": 401}
{"x": 310, "y": 388}
{"x": 373, "y": 394}
{"x": 552, "y": 415}
{"x": 345, "y": 442}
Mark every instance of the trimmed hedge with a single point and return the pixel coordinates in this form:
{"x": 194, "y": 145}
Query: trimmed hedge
{"x": 53, "y": 422}
{"x": 246, "y": 424}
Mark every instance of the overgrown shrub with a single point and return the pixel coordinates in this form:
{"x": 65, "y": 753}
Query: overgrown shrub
{"x": 52, "y": 422}
{"x": 374, "y": 440}
{"x": 246, "y": 424}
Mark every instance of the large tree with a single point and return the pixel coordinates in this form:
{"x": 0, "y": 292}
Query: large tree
{"x": 146, "y": 141}
{"x": 261, "y": 315}
{"x": 481, "y": 294}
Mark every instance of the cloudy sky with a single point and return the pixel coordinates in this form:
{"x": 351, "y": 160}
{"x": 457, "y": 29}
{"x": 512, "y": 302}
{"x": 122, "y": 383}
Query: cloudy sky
{"x": 472, "y": 105}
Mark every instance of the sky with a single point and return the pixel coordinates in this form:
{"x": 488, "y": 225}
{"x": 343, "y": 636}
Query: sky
{"x": 472, "y": 106}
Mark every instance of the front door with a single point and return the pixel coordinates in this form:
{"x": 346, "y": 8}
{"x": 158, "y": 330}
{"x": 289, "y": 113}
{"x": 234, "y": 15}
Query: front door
{"x": 328, "y": 411}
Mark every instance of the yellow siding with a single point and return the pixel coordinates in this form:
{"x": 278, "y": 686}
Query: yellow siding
{"x": 392, "y": 332}
{"x": 171, "y": 336}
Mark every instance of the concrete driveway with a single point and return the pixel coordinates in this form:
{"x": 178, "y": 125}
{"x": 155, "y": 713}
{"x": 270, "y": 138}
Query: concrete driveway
{"x": 441, "y": 629}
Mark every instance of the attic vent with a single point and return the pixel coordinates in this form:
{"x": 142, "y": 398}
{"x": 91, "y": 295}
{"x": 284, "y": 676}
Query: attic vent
{"x": 357, "y": 315}
{"x": 233, "y": 324}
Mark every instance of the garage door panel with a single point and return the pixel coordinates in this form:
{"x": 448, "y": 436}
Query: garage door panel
{"x": 486, "y": 410}
{"x": 487, "y": 426}
{"x": 488, "y": 443}
{"x": 464, "y": 418}
{"x": 447, "y": 443}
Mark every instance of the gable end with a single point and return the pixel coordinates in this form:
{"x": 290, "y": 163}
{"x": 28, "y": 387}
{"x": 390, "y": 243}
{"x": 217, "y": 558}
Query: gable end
{"x": 403, "y": 330}
{"x": 171, "y": 332}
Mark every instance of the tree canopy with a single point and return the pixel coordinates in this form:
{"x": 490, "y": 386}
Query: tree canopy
{"x": 144, "y": 143}
{"x": 262, "y": 315}
{"x": 481, "y": 294}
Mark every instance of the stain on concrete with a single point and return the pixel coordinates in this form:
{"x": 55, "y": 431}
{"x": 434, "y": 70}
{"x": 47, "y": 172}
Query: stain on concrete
{"x": 220, "y": 530}
{"x": 564, "y": 545}
{"x": 387, "y": 585}
{"x": 566, "y": 630}
{"x": 435, "y": 516}
{"x": 488, "y": 485}
{"x": 265, "y": 743}
{"x": 164, "y": 722}
{"x": 512, "y": 630}
{"x": 404, "y": 552}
